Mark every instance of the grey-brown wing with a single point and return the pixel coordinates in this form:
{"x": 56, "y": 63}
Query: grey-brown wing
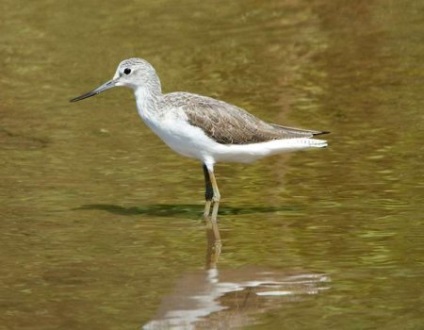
{"x": 228, "y": 124}
{"x": 299, "y": 131}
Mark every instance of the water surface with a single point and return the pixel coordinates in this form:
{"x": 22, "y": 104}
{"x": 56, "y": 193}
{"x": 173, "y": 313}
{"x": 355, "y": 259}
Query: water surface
{"x": 101, "y": 224}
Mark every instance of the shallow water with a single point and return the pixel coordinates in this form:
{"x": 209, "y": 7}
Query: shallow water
{"x": 101, "y": 223}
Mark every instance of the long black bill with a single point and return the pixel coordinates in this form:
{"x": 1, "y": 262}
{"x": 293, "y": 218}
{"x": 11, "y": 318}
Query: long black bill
{"x": 110, "y": 84}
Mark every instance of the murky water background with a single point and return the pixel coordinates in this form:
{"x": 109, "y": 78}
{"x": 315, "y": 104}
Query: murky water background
{"x": 100, "y": 222}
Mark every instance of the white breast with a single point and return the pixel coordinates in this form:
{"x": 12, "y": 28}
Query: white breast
{"x": 172, "y": 126}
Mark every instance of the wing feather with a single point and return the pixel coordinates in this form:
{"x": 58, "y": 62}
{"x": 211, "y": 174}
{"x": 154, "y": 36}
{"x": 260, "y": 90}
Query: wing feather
{"x": 228, "y": 124}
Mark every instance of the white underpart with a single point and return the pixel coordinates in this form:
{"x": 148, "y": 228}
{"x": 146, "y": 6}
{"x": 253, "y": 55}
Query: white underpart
{"x": 174, "y": 129}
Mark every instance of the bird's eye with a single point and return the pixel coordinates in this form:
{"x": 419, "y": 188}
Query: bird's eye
{"x": 127, "y": 71}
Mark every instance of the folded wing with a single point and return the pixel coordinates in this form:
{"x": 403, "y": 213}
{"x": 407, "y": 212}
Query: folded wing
{"x": 228, "y": 124}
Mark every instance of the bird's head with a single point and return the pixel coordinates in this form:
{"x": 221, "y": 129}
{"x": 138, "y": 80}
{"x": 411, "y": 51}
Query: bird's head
{"x": 132, "y": 73}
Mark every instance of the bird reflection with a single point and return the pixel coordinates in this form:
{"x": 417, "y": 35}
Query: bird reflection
{"x": 229, "y": 298}
{"x": 213, "y": 238}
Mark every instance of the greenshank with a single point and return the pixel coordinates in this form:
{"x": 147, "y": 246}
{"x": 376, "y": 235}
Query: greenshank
{"x": 204, "y": 128}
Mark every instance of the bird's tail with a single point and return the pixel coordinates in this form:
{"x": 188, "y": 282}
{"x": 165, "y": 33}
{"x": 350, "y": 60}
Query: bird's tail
{"x": 298, "y": 144}
{"x": 317, "y": 143}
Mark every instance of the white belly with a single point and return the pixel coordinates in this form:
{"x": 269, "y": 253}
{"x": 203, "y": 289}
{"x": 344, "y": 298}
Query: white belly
{"x": 181, "y": 137}
{"x": 191, "y": 141}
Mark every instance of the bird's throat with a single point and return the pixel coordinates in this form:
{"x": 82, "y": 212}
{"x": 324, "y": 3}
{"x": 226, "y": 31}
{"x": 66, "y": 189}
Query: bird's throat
{"x": 147, "y": 102}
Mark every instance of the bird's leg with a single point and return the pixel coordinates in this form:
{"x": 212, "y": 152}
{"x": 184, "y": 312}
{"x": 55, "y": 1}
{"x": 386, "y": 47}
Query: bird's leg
{"x": 212, "y": 196}
{"x": 216, "y": 195}
{"x": 208, "y": 193}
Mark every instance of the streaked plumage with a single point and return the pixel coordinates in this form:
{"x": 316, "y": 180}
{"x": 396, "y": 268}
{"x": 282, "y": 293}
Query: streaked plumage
{"x": 228, "y": 124}
{"x": 204, "y": 128}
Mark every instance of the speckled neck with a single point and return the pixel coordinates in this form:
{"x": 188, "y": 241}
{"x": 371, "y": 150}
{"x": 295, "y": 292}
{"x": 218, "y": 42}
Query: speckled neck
{"x": 148, "y": 97}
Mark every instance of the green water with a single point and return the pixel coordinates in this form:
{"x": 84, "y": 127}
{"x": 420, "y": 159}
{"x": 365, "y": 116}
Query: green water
{"x": 101, "y": 224}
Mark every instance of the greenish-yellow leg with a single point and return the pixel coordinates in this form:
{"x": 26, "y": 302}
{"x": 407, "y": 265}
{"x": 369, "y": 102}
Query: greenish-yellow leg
{"x": 208, "y": 193}
{"x": 212, "y": 195}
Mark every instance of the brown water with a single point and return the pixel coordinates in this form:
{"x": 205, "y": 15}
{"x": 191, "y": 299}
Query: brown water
{"x": 100, "y": 222}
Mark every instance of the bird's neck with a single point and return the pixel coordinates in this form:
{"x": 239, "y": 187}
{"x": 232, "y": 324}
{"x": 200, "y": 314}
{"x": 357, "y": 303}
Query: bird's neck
{"x": 148, "y": 97}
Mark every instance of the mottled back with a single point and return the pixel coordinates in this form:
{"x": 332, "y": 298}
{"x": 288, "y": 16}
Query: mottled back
{"x": 228, "y": 124}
